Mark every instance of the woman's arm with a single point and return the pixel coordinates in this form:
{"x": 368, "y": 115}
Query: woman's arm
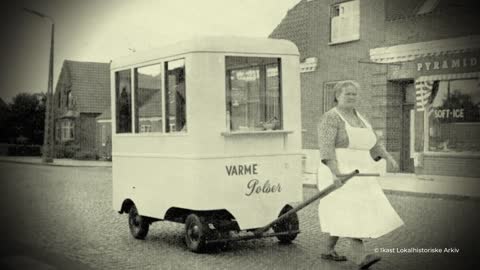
{"x": 378, "y": 152}
{"x": 332, "y": 165}
{"x": 327, "y": 134}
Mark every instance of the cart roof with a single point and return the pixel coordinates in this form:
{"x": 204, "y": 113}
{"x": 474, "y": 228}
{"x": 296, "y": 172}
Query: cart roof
{"x": 211, "y": 44}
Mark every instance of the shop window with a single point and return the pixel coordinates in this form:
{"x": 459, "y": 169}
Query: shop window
{"x": 345, "y": 22}
{"x": 148, "y": 99}
{"x": 123, "y": 101}
{"x": 253, "y": 93}
{"x": 175, "y": 96}
{"x": 454, "y": 116}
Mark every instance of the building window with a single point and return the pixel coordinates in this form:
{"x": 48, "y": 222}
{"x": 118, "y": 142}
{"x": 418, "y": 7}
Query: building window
{"x": 345, "y": 22}
{"x": 67, "y": 130}
{"x": 69, "y": 102}
{"x": 454, "y": 116}
{"x": 123, "y": 101}
{"x": 144, "y": 128}
{"x": 253, "y": 93}
{"x": 58, "y": 131}
{"x": 103, "y": 134}
{"x": 175, "y": 96}
{"x": 328, "y": 96}
{"x": 148, "y": 99}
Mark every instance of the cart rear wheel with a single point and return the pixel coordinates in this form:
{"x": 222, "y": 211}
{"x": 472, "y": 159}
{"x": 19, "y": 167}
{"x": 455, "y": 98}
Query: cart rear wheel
{"x": 289, "y": 224}
{"x": 138, "y": 224}
{"x": 196, "y": 231}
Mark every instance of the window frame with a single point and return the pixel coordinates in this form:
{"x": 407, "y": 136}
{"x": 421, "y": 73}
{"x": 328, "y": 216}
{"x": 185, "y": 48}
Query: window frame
{"x": 263, "y": 76}
{"x": 165, "y": 90}
{"x": 132, "y": 68}
{"x": 332, "y": 14}
{"x": 162, "y": 94}
{"x": 426, "y": 124}
{"x": 67, "y": 130}
{"x": 117, "y": 113}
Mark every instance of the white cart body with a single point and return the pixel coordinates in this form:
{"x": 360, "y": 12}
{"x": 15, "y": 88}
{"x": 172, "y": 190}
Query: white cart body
{"x": 251, "y": 174}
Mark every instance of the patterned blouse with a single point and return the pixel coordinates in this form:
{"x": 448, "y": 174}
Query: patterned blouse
{"x": 332, "y": 134}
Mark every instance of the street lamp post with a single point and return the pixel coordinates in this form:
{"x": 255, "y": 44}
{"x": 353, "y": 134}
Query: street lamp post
{"x": 47, "y": 153}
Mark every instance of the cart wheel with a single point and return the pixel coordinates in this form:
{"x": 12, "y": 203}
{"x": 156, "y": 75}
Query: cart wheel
{"x": 289, "y": 224}
{"x": 138, "y": 224}
{"x": 196, "y": 231}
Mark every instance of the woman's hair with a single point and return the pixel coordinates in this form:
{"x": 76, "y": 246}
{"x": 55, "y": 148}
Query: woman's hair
{"x": 338, "y": 88}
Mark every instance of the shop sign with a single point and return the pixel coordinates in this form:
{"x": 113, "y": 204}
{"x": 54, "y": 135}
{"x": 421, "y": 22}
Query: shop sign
{"x": 449, "y": 113}
{"x": 455, "y": 63}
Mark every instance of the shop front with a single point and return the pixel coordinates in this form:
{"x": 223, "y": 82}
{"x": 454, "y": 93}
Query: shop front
{"x": 445, "y": 120}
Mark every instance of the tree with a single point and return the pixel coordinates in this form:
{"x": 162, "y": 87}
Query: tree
{"x": 26, "y": 118}
{"x": 4, "y": 115}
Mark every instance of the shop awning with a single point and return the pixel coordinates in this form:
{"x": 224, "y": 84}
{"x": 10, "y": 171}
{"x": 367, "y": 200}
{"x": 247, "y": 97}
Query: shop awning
{"x": 424, "y": 86}
{"x": 411, "y": 51}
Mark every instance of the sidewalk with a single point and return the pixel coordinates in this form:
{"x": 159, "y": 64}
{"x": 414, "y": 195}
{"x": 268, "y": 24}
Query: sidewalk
{"x": 56, "y": 162}
{"x": 410, "y": 184}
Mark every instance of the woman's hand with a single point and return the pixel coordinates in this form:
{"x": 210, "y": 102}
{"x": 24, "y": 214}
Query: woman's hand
{"x": 337, "y": 182}
{"x": 393, "y": 164}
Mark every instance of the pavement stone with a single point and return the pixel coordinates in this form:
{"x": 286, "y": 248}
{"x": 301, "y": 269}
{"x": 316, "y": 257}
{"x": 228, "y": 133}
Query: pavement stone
{"x": 67, "y": 211}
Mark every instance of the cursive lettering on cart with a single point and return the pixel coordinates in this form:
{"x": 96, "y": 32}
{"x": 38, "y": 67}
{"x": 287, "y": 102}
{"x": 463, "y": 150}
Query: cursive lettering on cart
{"x": 241, "y": 169}
{"x": 254, "y": 186}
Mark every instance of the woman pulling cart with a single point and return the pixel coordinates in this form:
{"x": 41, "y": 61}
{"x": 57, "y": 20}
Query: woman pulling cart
{"x": 359, "y": 209}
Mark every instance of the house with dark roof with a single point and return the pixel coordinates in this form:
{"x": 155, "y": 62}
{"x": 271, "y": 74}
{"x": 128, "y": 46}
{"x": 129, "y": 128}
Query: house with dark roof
{"x": 81, "y": 95}
{"x": 418, "y": 63}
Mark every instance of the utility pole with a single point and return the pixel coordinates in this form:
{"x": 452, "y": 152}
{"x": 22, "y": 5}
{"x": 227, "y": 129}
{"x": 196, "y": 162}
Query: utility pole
{"x": 48, "y": 151}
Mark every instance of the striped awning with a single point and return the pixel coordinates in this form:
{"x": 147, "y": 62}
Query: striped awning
{"x": 411, "y": 51}
{"x": 424, "y": 86}
{"x": 423, "y": 91}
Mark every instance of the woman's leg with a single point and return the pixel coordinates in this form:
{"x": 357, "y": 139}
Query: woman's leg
{"x": 359, "y": 255}
{"x": 331, "y": 243}
{"x": 331, "y": 254}
{"x": 357, "y": 250}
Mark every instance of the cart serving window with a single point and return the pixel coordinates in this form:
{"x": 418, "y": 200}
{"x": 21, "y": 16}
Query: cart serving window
{"x": 207, "y": 133}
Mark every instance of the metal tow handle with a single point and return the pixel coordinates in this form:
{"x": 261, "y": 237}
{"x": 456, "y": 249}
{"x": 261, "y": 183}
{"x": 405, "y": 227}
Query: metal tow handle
{"x": 344, "y": 178}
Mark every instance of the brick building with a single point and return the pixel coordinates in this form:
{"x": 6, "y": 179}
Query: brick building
{"x": 82, "y": 93}
{"x": 418, "y": 65}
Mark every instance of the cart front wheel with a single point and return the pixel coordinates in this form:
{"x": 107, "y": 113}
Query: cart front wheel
{"x": 289, "y": 224}
{"x": 195, "y": 233}
{"x": 138, "y": 224}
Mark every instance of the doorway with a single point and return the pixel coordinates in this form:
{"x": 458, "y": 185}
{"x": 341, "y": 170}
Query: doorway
{"x": 407, "y": 106}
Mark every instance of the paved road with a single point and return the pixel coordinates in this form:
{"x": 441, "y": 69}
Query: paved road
{"x": 62, "y": 217}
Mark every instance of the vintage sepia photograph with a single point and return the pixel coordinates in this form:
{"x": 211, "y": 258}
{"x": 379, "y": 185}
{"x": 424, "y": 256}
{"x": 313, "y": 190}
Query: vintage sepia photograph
{"x": 248, "y": 134}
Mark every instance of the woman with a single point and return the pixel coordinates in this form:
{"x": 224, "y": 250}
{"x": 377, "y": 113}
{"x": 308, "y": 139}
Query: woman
{"x": 359, "y": 209}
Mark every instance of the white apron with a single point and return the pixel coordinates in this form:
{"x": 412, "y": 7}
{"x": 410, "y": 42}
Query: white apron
{"x": 359, "y": 209}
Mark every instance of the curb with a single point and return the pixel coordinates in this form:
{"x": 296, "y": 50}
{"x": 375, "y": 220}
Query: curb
{"x": 53, "y": 164}
{"x": 456, "y": 197}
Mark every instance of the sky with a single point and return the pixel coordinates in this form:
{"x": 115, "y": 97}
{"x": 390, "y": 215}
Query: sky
{"x": 102, "y": 30}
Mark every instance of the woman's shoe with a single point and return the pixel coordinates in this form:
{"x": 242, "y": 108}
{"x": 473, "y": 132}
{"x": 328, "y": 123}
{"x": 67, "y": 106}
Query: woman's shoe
{"x": 368, "y": 261}
{"x": 333, "y": 256}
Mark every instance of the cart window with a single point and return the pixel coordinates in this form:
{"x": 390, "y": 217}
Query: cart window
{"x": 253, "y": 93}
{"x": 123, "y": 97}
{"x": 175, "y": 96}
{"x": 148, "y": 99}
